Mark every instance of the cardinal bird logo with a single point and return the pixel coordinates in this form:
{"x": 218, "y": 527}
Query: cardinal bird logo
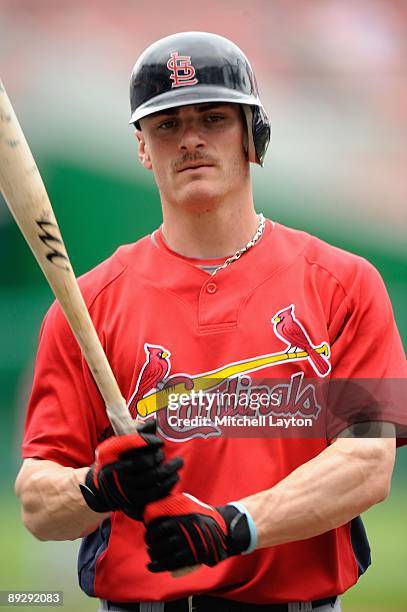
{"x": 152, "y": 375}
{"x": 292, "y": 332}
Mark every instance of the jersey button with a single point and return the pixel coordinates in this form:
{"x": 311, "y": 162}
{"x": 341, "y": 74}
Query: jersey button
{"x": 211, "y": 288}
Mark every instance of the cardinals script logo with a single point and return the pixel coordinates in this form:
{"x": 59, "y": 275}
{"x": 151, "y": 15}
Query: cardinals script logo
{"x": 288, "y": 328}
{"x": 296, "y": 396}
{"x": 182, "y": 70}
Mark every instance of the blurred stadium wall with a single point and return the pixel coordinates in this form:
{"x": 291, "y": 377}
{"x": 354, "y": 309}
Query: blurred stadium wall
{"x": 332, "y": 76}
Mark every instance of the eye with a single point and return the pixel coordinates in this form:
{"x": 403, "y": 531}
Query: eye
{"x": 214, "y": 118}
{"x": 167, "y": 124}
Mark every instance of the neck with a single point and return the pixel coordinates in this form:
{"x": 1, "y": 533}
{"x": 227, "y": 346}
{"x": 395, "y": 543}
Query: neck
{"x": 215, "y": 232}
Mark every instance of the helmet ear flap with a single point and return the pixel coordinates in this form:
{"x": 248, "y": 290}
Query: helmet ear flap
{"x": 248, "y": 138}
{"x": 258, "y": 133}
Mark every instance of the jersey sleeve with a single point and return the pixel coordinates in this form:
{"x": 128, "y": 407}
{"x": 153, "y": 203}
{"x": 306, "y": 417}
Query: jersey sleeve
{"x": 369, "y": 369}
{"x": 64, "y": 410}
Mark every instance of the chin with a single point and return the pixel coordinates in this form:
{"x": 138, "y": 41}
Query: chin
{"x": 200, "y": 195}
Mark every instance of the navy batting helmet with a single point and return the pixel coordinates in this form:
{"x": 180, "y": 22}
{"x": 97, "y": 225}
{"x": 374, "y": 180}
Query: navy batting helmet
{"x": 196, "y": 67}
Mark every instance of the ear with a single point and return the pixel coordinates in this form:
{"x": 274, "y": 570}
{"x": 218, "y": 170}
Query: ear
{"x": 143, "y": 154}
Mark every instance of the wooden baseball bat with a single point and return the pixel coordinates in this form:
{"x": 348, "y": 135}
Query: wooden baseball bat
{"x": 27, "y": 199}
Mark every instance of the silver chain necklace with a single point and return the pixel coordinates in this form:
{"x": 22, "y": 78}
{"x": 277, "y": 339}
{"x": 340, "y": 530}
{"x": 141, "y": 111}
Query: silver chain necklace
{"x": 252, "y": 242}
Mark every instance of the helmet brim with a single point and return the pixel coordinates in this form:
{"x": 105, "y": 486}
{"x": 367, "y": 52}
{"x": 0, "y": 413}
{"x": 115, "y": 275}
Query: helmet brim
{"x": 197, "y": 94}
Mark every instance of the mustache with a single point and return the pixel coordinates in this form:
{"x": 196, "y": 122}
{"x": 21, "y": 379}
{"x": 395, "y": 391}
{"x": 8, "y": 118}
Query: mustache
{"x": 193, "y": 157}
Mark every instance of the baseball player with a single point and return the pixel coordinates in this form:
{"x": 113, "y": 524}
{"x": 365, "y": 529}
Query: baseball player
{"x": 217, "y": 302}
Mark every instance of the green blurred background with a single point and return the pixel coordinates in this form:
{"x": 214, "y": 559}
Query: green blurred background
{"x": 332, "y": 75}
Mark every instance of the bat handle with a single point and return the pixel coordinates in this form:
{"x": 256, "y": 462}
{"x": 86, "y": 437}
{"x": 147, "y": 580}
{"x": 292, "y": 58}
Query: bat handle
{"x": 120, "y": 417}
{"x": 123, "y": 423}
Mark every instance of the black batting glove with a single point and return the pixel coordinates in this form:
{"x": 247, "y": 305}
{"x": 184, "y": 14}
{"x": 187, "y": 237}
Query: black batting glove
{"x": 182, "y": 531}
{"x": 129, "y": 472}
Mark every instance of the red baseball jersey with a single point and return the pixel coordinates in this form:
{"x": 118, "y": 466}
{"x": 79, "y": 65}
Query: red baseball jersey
{"x": 292, "y": 313}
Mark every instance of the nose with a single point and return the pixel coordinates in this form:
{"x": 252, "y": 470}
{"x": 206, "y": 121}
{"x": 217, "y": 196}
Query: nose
{"x": 191, "y": 137}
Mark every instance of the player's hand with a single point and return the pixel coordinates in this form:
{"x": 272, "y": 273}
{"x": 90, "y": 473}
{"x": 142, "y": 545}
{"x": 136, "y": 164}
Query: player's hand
{"x": 182, "y": 531}
{"x": 129, "y": 472}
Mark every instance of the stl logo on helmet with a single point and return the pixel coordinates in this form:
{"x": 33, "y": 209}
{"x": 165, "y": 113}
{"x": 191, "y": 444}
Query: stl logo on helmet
{"x": 182, "y": 70}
